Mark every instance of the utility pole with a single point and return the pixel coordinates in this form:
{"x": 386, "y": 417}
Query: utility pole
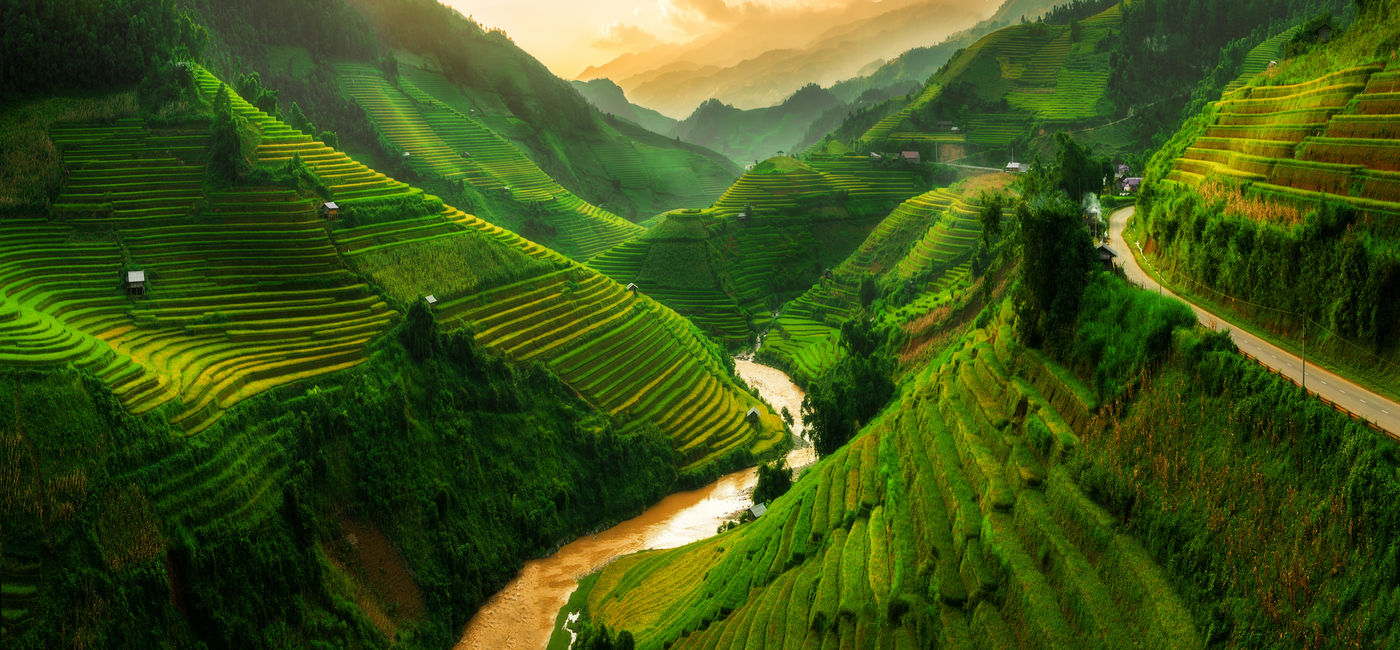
{"x": 1305, "y": 354}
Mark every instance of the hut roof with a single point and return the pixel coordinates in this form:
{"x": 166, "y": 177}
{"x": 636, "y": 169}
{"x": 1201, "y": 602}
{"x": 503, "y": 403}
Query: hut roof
{"x": 430, "y": 299}
{"x": 757, "y": 510}
{"x": 135, "y": 276}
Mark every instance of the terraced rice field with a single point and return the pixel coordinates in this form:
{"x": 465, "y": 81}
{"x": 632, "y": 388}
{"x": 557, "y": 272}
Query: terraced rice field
{"x": 951, "y": 520}
{"x": 1258, "y": 58}
{"x": 441, "y": 140}
{"x": 789, "y": 205}
{"x": 1042, "y": 72}
{"x": 245, "y": 290}
{"x": 819, "y": 176}
{"x": 1336, "y": 137}
{"x": 624, "y": 352}
{"x": 249, "y": 289}
{"x": 927, "y": 239}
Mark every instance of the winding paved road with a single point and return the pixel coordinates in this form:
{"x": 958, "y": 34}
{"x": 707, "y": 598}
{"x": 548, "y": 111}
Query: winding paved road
{"x": 1339, "y": 391}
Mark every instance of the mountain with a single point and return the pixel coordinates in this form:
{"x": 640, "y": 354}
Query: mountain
{"x": 761, "y": 60}
{"x": 609, "y": 98}
{"x": 757, "y": 134}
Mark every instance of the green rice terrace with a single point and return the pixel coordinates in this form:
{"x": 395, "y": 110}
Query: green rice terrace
{"x": 952, "y": 518}
{"x": 1334, "y": 138}
{"x": 770, "y": 234}
{"x": 1054, "y": 76}
{"x": 550, "y": 379}
{"x": 257, "y": 290}
{"x": 923, "y": 248}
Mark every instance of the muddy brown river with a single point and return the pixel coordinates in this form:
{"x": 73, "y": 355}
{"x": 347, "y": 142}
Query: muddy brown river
{"x": 522, "y": 614}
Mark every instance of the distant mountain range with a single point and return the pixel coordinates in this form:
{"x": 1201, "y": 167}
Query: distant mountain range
{"x": 807, "y": 111}
{"x": 760, "y": 62}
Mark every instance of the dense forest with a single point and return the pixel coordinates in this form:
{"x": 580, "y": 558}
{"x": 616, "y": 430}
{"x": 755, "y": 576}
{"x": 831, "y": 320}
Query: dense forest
{"x": 91, "y": 45}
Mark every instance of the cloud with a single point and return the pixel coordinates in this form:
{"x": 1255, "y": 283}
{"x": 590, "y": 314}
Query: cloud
{"x": 617, "y": 36}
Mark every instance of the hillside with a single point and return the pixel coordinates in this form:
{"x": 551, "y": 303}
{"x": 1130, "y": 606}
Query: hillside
{"x": 727, "y": 272}
{"x": 258, "y": 291}
{"x": 916, "y": 65}
{"x": 915, "y": 258}
{"x": 1000, "y": 501}
{"x": 477, "y": 73}
{"x": 439, "y": 140}
{"x": 609, "y": 98}
{"x": 1293, "y": 175}
{"x": 983, "y": 102}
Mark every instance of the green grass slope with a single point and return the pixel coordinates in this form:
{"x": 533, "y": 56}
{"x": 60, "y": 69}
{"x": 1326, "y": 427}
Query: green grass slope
{"x": 457, "y": 61}
{"x": 633, "y": 170}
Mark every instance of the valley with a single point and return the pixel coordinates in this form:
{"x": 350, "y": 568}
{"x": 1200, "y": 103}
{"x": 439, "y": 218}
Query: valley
{"x": 1011, "y": 324}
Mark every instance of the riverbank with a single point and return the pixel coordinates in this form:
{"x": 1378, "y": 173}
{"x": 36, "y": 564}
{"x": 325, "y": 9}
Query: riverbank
{"x": 527, "y": 611}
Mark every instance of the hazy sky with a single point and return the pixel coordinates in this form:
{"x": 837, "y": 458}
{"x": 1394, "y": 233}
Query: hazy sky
{"x": 570, "y": 35}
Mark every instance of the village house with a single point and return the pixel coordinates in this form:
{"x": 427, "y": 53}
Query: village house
{"x": 136, "y": 283}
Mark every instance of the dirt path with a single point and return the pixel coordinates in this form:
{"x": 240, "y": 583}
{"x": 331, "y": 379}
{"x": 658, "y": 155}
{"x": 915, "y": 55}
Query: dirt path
{"x": 1332, "y": 388}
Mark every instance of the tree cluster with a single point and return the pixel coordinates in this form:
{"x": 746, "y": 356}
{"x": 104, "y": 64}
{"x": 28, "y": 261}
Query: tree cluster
{"x": 467, "y": 463}
{"x": 851, "y": 393}
{"x": 89, "y": 45}
{"x": 774, "y": 480}
{"x": 597, "y": 637}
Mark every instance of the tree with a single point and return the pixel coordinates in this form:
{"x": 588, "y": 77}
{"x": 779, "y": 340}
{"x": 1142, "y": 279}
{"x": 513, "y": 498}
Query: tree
{"x": 1057, "y": 258}
{"x": 226, "y": 160}
{"x": 860, "y": 384}
{"x": 993, "y": 204}
{"x": 298, "y": 120}
{"x": 868, "y": 291}
{"x": 420, "y": 331}
{"x": 774, "y": 480}
{"x": 1077, "y": 170}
